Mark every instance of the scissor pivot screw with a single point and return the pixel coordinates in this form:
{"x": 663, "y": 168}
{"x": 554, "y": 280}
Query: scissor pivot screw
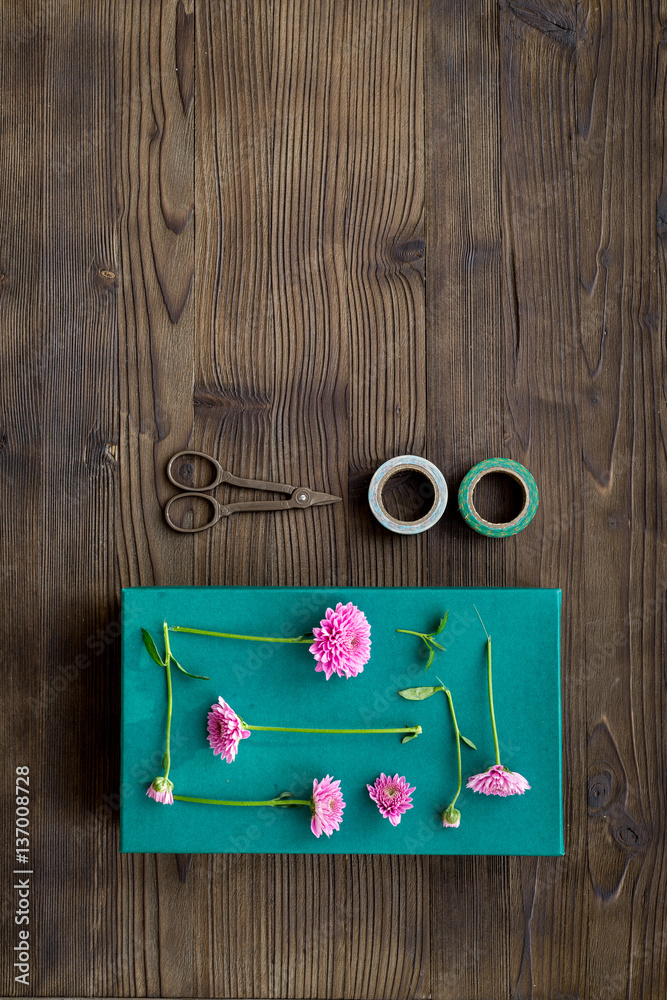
{"x": 302, "y": 497}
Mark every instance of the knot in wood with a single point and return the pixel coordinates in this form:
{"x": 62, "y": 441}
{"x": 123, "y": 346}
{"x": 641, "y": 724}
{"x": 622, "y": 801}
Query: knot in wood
{"x": 630, "y": 835}
{"x": 186, "y": 472}
{"x": 626, "y": 836}
{"x": 409, "y": 252}
{"x": 601, "y": 790}
{"x": 99, "y": 453}
{"x": 557, "y": 24}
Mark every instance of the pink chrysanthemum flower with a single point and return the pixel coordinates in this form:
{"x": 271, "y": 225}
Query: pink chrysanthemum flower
{"x": 451, "y": 817}
{"x": 225, "y": 730}
{"x": 326, "y": 806}
{"x": 343, "y": 642}
{"x": 392, "y": 796}
{"x": 498, "y": 780}
{"x": 161, "y": 789}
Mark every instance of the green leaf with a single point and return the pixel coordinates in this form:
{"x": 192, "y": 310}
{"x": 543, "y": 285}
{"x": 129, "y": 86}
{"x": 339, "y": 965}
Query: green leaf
{"x": 466, "y": 740}
{"x": 437, "y": 645}
{"x": 164, "y": 760}
{"x": 431, "y": 656}
{"x": 152, "y": 648}
{"x": 286, "y": 796}
{"x": 199, "y": 677}
{"x": 410, "y": 736}
{"x": 419, "y": 693}
{"x": 442, "y": 623}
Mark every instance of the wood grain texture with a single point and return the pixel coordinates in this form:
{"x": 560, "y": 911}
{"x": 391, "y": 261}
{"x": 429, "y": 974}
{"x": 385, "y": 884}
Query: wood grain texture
{"x": 299, "y": 106}
{"x": 623, "y": 319}
{"x": 540, "y": 324}
{"x": 155, "y": 178}
{"x": 306, "y": 236}
{"x": 466, "y": 410}
{"x": 59, "y": 325}
{"x": 21, "y": 57}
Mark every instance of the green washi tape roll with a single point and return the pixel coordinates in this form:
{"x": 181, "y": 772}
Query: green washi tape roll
{"x": 531, "y": 497}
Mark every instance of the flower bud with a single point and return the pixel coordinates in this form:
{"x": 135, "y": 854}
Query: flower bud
{"x": 161, "y": 789}
{"x": 451, "y": 816}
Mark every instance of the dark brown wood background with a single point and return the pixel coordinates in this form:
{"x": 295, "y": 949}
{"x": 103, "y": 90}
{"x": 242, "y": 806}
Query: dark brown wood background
{"x": 309, "y": 235}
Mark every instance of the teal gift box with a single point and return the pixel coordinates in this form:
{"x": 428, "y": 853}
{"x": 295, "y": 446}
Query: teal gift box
{"x": 275, "y": 684}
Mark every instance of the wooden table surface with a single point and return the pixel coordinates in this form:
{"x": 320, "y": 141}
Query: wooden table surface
{"x": 307, "y": 236}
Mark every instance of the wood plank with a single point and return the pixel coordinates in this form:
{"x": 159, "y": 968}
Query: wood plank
{"x": 235, "y": 351}
{"x": 155, "y": 950}
{"x": 560, "y": 308}
{"x": 540, "y": 325}
{"x": 466, "y": 419}
{"x": 65, "y": 192}
{"x": 21, "y": 340}
{"x": 307, "y": 269}
{"x": 156, "y": 317}
{"x": 621, "y": 184}
{"x": 383, "y": 245}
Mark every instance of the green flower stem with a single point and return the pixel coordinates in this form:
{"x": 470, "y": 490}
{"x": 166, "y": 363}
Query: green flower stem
{"x": 288, "y": 729}
{"x": 167, "y": 658}
{"x": 229, "y": 635}
{"x": 234, "y": 802}
{"x": 425, "y": 636}
{"x": 493, "y": 714}
{"x": 458, "y": 744}
{"x": 490, "y": 685}
{"x": 428, "y": 640}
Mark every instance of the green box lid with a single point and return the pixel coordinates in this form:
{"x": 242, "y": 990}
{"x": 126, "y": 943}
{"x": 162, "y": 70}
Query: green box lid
{"x": 275, "y": 684}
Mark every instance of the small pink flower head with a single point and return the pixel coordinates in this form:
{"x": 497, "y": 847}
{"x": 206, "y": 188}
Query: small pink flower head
{"x": 225, "y": 730}
{"x": 393, "y": 797}
{"x": 161, "y": 789}
{"x": 343, "y": 641}
{"x": 498, "y": 780}
{"x": 326, "y": 806}
{"x": 451, "y": 817}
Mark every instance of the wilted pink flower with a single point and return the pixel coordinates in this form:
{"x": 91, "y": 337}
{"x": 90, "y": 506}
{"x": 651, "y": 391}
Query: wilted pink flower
{"x": 343, "y": 642}
{"x": 225, "y": 730}
{"x": 451, "y": 817}
{"x": 161, "y": 789}
{"x": 392, "y": 795}
{"x": 326, "y": 806}
{"x": 498, "y": 780}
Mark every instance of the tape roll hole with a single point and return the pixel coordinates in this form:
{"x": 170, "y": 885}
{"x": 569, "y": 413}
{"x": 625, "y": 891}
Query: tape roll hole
{"x": 499, "y": 497}
{"x": 408, "y": 495}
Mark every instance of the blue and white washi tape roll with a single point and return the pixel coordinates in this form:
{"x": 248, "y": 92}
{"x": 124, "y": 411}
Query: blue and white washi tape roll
{"x": 408, "y": 463}
{"x": 472, "y": 516}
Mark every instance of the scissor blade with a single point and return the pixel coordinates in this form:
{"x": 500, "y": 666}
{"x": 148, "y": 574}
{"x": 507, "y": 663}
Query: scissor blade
{"x": 317, "y": 499}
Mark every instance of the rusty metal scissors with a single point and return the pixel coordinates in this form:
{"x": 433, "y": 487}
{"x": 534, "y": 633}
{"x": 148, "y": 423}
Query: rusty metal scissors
{"x": 299, "y": 496}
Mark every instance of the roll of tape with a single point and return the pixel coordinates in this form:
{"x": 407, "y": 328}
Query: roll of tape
{"x": 517, "y": 471}
{"x": 408, "y": 463}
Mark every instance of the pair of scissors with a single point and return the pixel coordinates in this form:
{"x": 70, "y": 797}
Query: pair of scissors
{"x": 299, "y": 496}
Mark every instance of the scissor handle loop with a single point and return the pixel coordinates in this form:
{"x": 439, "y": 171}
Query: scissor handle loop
{"x": 221, "y": 476}
{"x": 218, "y": 509}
